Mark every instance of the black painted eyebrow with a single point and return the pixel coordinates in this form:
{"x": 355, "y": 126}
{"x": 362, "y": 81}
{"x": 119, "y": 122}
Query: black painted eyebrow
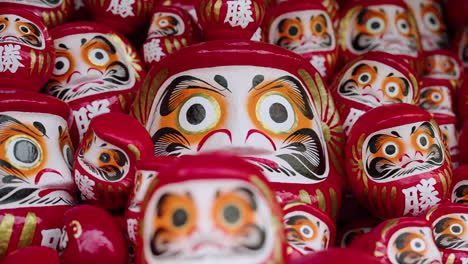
{"x": 360, "y": 66}
{"x": 97, "y": 39}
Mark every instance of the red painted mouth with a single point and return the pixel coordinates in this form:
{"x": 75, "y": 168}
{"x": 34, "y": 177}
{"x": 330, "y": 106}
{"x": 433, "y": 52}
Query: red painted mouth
{"x": 308, "y": 249}
{"x": 44, "y": 171}
{"x": 371, "y": 95}
{"x": 408, "y": 163}
{"x": 10, "y": 37}
{"x": 204, "y": 244}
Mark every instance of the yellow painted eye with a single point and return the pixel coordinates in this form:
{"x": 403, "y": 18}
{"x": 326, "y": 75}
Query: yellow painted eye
{"x": 198, "y": 114}
{"x": 98, "y": 57}
{"x": 23, "y": 152}
{"x": 276, "y": 113}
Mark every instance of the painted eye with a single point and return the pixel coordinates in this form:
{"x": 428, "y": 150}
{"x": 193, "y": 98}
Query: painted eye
{"x": 293, "y": 31}
{"x": 62, "y": 65}
{"x": 375, "y": 25}
{"x": 423, "y": 141}
{"x": 436, "y": 96}
{"x": 24, "y": 152}
{"x": 98, "y": 57}
{"x": 364, "y": 78}
{"x": 417, "y": 245}
{"x": 163, "y": 22}
{"x": 67, "y": 153}
{"x": 24, "y": 29}
{"x": 390, "y": 149}
{"x": 2, "y": 26}
{"x": 392, "y": 89}
{"x": 403, "y": 26}
{"x": 306, "y": 231}
{"x": 276, "y": 113}
{"x": 199, "y": 114}
{"x": 179, "y": 217}
{"x": 456, "y": 229}
{"x": 231, "y": 214}
{"x": 431, "y": 21}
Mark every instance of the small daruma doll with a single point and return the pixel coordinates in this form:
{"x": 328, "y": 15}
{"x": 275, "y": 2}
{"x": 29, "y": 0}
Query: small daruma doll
{"x": 308, "y": 229}
{"x": 431, "y": 24}
{"x": 255, "y": 99}
{"x": 380, "y": 25}
{"x": 404, "y": 240}
{"x": 399, "y": 165}
{"x": 104, "y": 168}
{"x": 52, "y": 12}
{"x": 26, "y": 50}
{"x": 96, "y": 71}
{"x": 450, "y": 227}
{"x": 460, "y": 185}
{"x": 372, "y": 80}
{"x": 210, "y": 207}
{"x": 445, "y": 65}
{"x": 36, "y": 185}
{"x": 306, "y": 28}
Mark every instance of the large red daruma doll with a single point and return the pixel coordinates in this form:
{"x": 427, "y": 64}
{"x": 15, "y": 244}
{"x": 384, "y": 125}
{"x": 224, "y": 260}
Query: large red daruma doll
{"x": 305, "y": 28}
{"x": 371, "y": 80}
{"x": 53, "y": 12}
{"x": 258, "y": 100}
{"x": 26, "y": 50}
{"x": 36, "y": 184}
{"x": 380, "y": 25}
{"x": 96, "y": 71}
{"x": 398, "y": 166}
{"x": 210, "y": 207}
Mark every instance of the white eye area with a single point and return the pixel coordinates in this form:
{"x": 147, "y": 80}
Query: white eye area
{"x": 431, "y": 21}
{"x": 23, "y": 152}
{"x": 276, "y": 113}
{"x": 392, "y": 89}
{"x": 403, "y": 26}
{"x": 68, "y": 155}
{"x": 436, "y": 97}
{"x": 199, "y": 114}
{"x": 418, "y": 245}
{"x": 62, "y": 65}
{"x": 375, "y": 25}
{"x": 456, "y": 229}
{"x": 390, "y": 149}
{"x": 98, "y": 57}
{"x": 423, "y": 141}
{"x": 163, "y": 23}
{"x": 24, "y": 29}
{"x": 364, "y": 78}
{"x": 306, "y": 231}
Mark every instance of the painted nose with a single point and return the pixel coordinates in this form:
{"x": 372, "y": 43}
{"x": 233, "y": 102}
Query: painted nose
{"x": 84, "y": 76}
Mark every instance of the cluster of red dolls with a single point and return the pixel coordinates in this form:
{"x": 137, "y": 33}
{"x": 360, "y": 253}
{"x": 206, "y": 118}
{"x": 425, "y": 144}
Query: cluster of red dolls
{"x": 126, "y": 137}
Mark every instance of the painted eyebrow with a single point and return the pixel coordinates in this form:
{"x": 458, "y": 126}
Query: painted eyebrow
{"x": 360, "y": 66}
{"x": 101, "y": 39}
{"x": 63, "y": 46}
{"x": 426, "y": 126}
{"x": 5, "y": 120}
{"x": 374, "y": 143}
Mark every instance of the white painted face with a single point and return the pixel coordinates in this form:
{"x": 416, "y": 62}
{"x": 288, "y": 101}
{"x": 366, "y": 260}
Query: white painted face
{"x": 103, "y": 160}
{"x": 413, "y": 245}
{"x": 305, "y": 232}
{"x": 399, "y": 152}
{"x": 37, "y": 155}
{"x": 264, "y": 113}
{"x": 441, "y": 67}
{"x": 460, "y": 192}
{"x": 303, "y": 31}
{"x": 374, "y": 84}
{"x": 38, "y": 3}
{"x": 166, "y": 24}
{"x": 451, "y": 231}
{"x": 437, "y": 99}
{"x": 431, "y": 26}
{"x": 19, "y": 30}
{"x": 143, "y": 179}
{"x": 386, "y": 28}
{"x": 450, "y": 135}
{"x": 89, "y": 64}
{"x": 205, "y": 221}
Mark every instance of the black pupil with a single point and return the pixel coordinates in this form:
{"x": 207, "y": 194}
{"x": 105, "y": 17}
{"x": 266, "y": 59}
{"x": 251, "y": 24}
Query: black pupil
{"x": 364, "y": 78}
{"x": 69, "y": 156}
{"x": 99, "y": 55}
{"x": 25, "y": 151}
{"x": 231, "y": 214}
{"x": 179, "y": 217}
{"x": 278, "y": 113}
{"x": 456, "y": 229}
{"x": 375, "y": 25}
{"x": 390, "y": 150}
{"x": 392, "y": 89}
{"x": 318, "y": 28}
{"x": 293, "y": 31}
{"x": 403, "y": 25}
{"x": 432, "y": 20}
{"x": 417, "y": 244}
{"x": 104, "y": 157}
{"x": 423, "y": 141}
{"x": 24, "y": 29}
{"x": 306, "y": 231}
{"x": 59, "y": 65}
{"x": 2, "y": 26}
{"x": 196, "y": 114}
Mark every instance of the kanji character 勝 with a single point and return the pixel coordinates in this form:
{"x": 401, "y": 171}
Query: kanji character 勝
{"x": 122, "y": 8}
{"x": 239, "y": 13}
{"x": 84, "y": 115}
{"x": 421, "y": 197}
{"x": 10, "y": 58}
{"x": 153, "y": 51}
{"x": 85, "y": 185}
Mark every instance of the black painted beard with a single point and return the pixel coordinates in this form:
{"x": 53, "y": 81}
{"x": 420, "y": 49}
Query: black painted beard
{"x": 303, "y": 46}
{"x": 115, "y": 75}
{"x": 363, "y": 42}
{"x": 301, "y": 154}
{"x": 411, "y": 257}
{"x": 449, "y": 241}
